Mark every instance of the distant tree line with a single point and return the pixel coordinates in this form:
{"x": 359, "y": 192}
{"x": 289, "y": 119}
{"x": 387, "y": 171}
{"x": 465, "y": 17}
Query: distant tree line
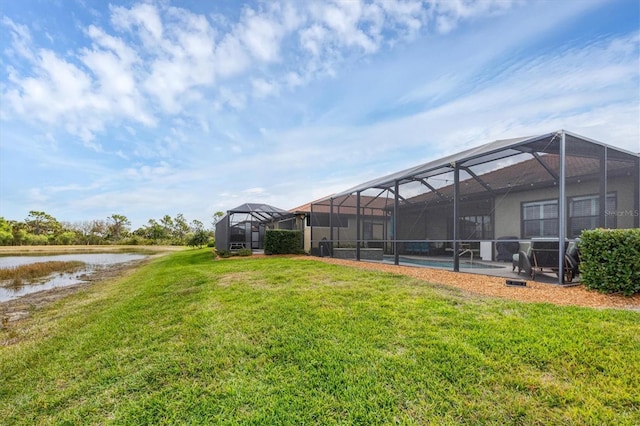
{"x": 40, "y": 228}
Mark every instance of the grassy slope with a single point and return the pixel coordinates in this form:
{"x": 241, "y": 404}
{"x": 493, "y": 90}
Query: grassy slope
{"x": 283, "y": 341}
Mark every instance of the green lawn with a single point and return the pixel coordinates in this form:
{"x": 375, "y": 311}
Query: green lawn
{"x": 264, "y": 341}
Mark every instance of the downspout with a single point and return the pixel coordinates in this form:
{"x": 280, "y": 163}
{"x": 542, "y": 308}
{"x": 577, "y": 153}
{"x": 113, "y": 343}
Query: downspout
{"x": 562, "y": 210}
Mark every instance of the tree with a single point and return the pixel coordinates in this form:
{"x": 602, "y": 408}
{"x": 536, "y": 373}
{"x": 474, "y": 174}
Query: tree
{"x": 66, "y": 238}
{"x": 19, "y": 233}
{"x": 6, "y": 232}
{"x": 98, "y": 231}
{"x": 41, "y": 223}
{"x": 155, "y": 231}
{"x": 216, "y": 218}
{"x": 118, "y": 226}
{"x": 83, "y": 231}
{"x": 180, "y": 227}
{"x": 196, "y": 225}
{"x": 167, "y": 225}
{"x": 199, "y": 238}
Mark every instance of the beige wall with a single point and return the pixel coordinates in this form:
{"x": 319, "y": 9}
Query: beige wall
{"x": 346, "y": 235}
{"x": 507, "y": 209}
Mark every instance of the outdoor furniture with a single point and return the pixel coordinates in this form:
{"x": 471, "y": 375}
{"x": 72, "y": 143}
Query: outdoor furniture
{"x": 506, "y": 249}
{"x": 573, "y": 258}
{"x": 325, "y": 248}
{"x": 543, "y": 255}
{"x": 417, "y": 247}
{"x": 236, "y": 246}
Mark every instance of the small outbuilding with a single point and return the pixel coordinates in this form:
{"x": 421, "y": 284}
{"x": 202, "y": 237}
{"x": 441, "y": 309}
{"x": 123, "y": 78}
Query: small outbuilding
{"x": 245, "y": 226}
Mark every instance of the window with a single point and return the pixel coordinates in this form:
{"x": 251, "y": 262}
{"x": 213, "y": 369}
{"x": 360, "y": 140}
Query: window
{"x": 367, "y": 231}
{"x": 584, "y": 213}
{"x": 476, "y": 227}
{"x": 540, "y": 219}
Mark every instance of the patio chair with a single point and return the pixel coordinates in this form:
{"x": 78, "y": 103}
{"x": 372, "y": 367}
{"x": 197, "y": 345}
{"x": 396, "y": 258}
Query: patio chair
{"x": 572, "y": 257}
{"x": 506, "y": 249}
{"x": 543, "y": 255}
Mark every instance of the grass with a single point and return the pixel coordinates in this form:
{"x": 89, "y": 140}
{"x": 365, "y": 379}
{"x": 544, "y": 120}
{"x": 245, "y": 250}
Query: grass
{"x": 189, "y": 340}
{"x": 33, "y": 271}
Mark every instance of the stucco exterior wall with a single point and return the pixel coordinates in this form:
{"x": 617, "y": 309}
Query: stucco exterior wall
{"x": 508, "y": 209}
{"x": 345, "y": 235}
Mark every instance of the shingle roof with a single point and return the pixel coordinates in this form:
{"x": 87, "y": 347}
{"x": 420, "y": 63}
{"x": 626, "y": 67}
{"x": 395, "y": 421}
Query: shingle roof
{"x": 347, "y": 205}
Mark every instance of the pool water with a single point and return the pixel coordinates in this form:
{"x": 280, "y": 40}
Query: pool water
{"x": 443, "y": 264}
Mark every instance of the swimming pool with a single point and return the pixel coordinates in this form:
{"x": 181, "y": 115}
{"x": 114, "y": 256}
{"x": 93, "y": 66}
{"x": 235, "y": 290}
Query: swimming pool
{"x": 443, "y": 264}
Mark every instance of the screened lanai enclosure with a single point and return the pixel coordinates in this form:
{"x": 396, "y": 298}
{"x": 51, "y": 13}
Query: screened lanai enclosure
{"x": 245, "y": 226}
{"x": 484, "y": 205}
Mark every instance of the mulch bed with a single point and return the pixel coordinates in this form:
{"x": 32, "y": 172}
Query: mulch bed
{"x": 496, "y": 286}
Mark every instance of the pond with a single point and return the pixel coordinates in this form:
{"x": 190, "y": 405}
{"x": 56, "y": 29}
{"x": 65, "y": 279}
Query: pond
{"x": 93, "y": 263}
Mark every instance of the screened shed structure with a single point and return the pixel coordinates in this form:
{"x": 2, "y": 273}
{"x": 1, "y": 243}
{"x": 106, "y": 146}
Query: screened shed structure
{"x": 245, "y": 226}
{"x": 483, "y": 204}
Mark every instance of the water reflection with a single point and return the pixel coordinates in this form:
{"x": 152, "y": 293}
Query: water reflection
{"x": 93, "y": 262}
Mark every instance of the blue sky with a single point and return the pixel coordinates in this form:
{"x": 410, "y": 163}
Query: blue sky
{"x": 165, "y": 107}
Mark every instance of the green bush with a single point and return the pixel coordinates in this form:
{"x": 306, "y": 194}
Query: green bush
{"x": 282, "y": 241}
{"x": 610, "y": 260}
{"x": 244, "y": 252}
{"x": 224, "y": 253}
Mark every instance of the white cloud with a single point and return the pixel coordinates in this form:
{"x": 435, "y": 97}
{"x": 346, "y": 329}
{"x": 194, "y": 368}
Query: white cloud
{"x": 228, "y": 97}
{"x": 448, "y": 13}
{"x": 231, "y": 58}
{"x": 261, "y": 35}
{"x": 345, "y": 21}
{"x": 408, "y": 17}
{"x": 146, "y": 172}
{"x": 145, "y": 17}
{"x": 263, "y": 88}
{"x": 21, "y": 39}
{"x": 163, "y": 60}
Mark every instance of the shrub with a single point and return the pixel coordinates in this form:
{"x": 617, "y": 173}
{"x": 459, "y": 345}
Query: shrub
{"x": 610, "y": 260}
{"x": 282, "y": 241}
{"x": 244, "y": 252}
{"x": 224, "y": 253}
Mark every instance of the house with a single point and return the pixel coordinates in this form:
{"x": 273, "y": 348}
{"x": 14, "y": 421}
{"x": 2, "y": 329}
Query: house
{"x": 553, "y": 185}
{"x": 337, "y": 221}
